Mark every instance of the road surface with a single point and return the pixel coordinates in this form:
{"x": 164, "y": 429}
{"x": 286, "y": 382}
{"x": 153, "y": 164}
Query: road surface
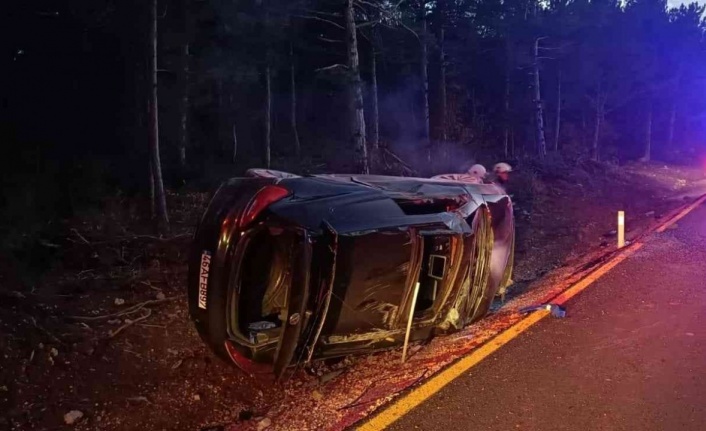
{"x": 631, "y": 354}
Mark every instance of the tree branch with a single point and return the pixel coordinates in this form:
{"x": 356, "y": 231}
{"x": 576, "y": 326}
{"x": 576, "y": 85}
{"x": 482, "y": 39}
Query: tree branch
{"x": 411, "y": 31}
{"x": 316, "y": 18}
{"x": 555, "y": 48}
{"x": 332, "y": 67}
{"x": 373, "y": 5}
{"x": 335, "y": 15}
{"x": 323, "y": 39}
{"x": 367, "y": 23}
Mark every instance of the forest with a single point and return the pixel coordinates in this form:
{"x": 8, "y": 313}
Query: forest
{"x": 132, "y": 97}
{"x": 120, "y": 118}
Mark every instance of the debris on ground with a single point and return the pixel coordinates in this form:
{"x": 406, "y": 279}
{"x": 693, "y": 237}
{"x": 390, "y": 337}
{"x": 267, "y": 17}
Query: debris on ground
{"x": 556, "y": 310}
{"x": 264, "y": 423}
{"x": 245, "y": 415}
{"x": 73, "y": 417}
{"x": 329, "y": 376}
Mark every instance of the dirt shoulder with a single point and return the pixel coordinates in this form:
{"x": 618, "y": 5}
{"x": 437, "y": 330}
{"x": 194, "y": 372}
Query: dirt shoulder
{"x": 105, "y": 329}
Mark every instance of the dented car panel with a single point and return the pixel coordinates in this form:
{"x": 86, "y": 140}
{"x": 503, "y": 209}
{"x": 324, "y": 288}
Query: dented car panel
{"x": 302, "y": 268}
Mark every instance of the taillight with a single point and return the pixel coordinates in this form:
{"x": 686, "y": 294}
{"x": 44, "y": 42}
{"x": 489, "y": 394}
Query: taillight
{"x": 262, "y": 199}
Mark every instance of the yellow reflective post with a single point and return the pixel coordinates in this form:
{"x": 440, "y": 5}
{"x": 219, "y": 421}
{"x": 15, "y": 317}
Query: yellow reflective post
{"x": 621, "y": 229}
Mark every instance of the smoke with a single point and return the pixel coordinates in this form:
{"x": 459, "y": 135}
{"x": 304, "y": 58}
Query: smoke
{"x": 400, "y": 122}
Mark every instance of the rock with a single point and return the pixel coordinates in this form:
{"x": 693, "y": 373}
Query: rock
{"x": 197, "y": 397}
{"x": 72, "y": 417}
{"x": 245, "y": 415}
{"x": 119, "y": 301}
{"x": 160, "y": 296}
{"x": 264, "y": 424}
{"x": 54, "y": 352}
{"x": 317, "y": 395}
{"x": 329, "y": 376}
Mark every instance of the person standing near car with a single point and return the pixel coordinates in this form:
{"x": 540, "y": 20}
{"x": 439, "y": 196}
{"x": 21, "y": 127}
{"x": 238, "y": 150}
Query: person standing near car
{"x": 502, "y": 172}
{"x": 475, "y": 175}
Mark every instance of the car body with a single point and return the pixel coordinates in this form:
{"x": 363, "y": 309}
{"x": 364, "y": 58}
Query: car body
{"x": 287, "y": 269}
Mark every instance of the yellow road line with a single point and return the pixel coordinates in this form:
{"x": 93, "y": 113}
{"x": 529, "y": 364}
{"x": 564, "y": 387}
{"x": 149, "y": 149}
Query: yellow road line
{"x": 417, "y": 396}
{"x": 595, "y": 275}
{"x": 436, "y": 383}
{"x": 679, "y": 216}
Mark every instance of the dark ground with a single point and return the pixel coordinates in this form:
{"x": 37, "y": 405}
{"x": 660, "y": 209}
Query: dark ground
{"x": 157, "y": 374}
{"x": 629, "y": 355}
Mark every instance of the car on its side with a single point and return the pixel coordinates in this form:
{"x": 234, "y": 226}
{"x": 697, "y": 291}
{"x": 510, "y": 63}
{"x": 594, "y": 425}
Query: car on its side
{"x": 286, "y": 269}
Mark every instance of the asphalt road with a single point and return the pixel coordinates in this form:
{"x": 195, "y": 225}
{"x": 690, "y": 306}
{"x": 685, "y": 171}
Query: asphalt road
{"x": 630, "y": 355}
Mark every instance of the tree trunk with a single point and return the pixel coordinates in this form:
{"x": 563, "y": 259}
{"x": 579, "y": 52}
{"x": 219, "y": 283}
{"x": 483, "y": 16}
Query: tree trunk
{"x": 512, "y": 142}
{"x": 672, "y": 123}
{"x": 375, "y": 131}
{"x": 673, "y": 108}
{"x": 184, "y": 106}
{"x": 293, "y": 108}
{"x": 150, "y": 171}
{"x": 268, "y": 115}
{"x": 506, "y": 104}
{"x": 160, "y": 196}
{"x": 442, "y": 89}
{"x": 557, "y": 125}
{"x": 222, "y": 118}
{"x": 235, "y": 145}
{"x": 183, "y": 78}
{"x": 647, "y": 155}
{"x": 539, "y": 111}
{"x": 583, "y": 126}
{"x": 355, "y": 92}
{"x": 597, "y": 129}
{"x": 425, "y": 84}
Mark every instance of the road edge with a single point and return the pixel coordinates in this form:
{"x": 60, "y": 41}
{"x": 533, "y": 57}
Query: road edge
{"x": 406, "y": 402}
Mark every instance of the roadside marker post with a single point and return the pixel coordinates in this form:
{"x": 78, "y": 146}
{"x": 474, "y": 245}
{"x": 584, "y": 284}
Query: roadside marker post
{"x": 621, "y": 229}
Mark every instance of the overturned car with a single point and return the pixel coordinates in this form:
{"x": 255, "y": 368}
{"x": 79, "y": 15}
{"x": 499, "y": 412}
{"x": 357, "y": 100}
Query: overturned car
{"x": 287, "y": 269}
